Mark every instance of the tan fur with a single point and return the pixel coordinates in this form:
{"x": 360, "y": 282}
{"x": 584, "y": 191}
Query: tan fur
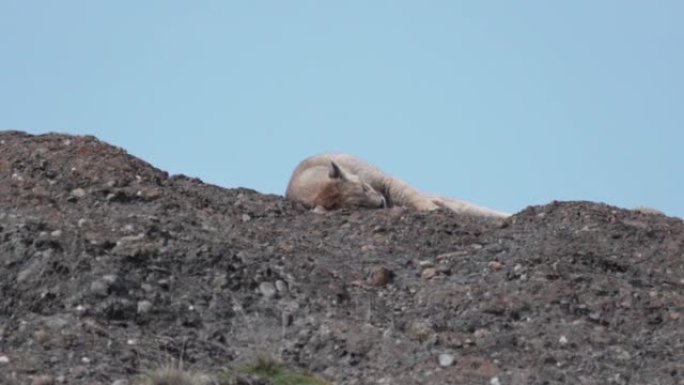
{"x": 339, "y": 194}
{"x": 316, "y": 183}
{"x": 323, "y": 185}
{"x": 464, "y": 207}
{"x": 330, "y": 197}
{"x": 647, "y": 210}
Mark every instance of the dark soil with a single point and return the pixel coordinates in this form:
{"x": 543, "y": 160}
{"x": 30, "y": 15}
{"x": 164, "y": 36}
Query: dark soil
{"x": 110, "y": 267}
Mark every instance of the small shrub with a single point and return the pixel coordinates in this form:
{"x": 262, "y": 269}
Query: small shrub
{"x": 277, "y": 374}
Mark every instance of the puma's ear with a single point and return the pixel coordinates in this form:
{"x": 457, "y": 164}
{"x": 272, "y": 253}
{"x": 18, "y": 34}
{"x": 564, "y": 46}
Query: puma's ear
{"x": 336, "y": 172}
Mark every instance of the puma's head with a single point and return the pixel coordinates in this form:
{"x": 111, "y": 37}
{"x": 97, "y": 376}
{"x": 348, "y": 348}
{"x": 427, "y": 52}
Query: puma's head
{"x": 346, "y": 190}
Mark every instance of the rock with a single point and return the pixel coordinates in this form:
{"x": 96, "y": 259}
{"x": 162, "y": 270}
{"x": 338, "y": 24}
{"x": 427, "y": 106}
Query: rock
{"x": 426, "y": 263}
{"x": 481, "y": 333}
{"x": 443, "y": 269}
{"x": 451, "y": 255}
{"x": 147, "y": 288}
{"x": 446, "y": 360}
{"x": 110, "y": 278}
{"x": 57, "y": 322}
{"x": 191, "y": 282}
{"x": 100, "y": 288}
{"x": 41, "y": 336}
{"x": 29, "y": 271}
{"x": 380, "y": 276}
{"x": 429, "y": 273}
{"x": 43, "y": 380}
{"x": 420, "y": 329}
{"x": 281, "y": 286}
{"x": 144, "y": 307}
{"x": 78, "y": 193}
{"x": 267, "y": 289}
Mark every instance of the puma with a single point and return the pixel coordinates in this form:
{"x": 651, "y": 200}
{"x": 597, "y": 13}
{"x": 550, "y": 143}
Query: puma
{"x": 333, "y": 181}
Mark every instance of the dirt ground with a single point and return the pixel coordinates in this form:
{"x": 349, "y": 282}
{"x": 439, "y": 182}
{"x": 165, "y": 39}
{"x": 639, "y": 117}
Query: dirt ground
{"x": 110, "y": 267}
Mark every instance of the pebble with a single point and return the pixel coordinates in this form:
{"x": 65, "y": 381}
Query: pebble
{"x": 429, "y": 273}
{"x": 78, "y": 192}
{"x": 4, "y": 360}
{"x": 452, "y": 254}
{"x": 57, "y": 322}
{"x": 622, "y": 354}
{"x": 144, "y": 307}
{"x": 420, "y": 329}
{"x": 267, "y": 289}
{"x": 381, "y": 276}
{"x": 494, "y": 381}
{"x": 130, "y": 239}
{"x": 443, "y": 269}
{"x": 42, "y": 380}
{"x": 99, "y": 288}
{"x": 120, "y": 382}
{"x": 32, "y": 269}
{"x": 146, "y": 287}
{"x": 495, "y": 265}
{"x": 446, "y": 360}
{"x": 220, "y": 281}
{"x": 563, "y": 340}
{"x": 281, "y": 286}
{"x": 41, "y": 336}
{"x": 110, "y": 278}
{"x": 480, "y": 333}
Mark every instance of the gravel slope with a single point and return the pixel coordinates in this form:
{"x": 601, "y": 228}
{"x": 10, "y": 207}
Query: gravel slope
{"x": 110, "y": 267}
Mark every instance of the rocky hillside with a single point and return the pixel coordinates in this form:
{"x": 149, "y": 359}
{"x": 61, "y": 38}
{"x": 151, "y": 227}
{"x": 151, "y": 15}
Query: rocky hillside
{"x": 110, "y": 267}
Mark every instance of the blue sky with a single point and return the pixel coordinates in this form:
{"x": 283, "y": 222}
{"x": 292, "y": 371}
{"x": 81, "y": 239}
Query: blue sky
{"x": 503, "y": 103}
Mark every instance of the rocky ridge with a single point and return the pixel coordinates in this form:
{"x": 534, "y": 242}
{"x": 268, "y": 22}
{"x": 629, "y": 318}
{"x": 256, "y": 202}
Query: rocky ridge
{"x": 109, "y": 267}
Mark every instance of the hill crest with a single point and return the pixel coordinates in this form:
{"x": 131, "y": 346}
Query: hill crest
{"x": 109, "y": 266}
